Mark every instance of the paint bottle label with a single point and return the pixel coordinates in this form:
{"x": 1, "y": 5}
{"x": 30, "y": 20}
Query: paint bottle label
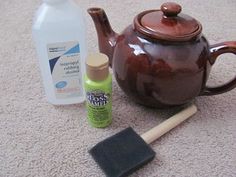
{"x": 65, "y": 67}
{"x": 99, "y": 102}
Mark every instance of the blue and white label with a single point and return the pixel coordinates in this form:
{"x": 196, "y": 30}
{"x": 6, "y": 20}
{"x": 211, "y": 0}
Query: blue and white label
{"x": 61, "y": 84}
{"x": 65, "y": 67}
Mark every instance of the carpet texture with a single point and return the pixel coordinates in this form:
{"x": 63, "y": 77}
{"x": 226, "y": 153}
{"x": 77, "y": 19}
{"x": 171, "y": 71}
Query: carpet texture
{"x": 38, "y": 139}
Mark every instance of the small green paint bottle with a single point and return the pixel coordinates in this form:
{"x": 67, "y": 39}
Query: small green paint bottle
{"x": 98, "y": 88}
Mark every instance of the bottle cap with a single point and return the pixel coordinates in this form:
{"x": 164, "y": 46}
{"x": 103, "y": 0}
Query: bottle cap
{"x": 53, "y": 1}
{"x": 97, "y": 67}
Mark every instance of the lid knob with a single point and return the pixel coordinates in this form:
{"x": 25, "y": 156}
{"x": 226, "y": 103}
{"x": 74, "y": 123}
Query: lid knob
{"x": 171, "y": 9}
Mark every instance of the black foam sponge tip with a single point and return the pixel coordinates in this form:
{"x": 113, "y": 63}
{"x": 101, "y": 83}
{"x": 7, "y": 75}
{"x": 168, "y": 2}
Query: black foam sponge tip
{"x": 122, "y": 153}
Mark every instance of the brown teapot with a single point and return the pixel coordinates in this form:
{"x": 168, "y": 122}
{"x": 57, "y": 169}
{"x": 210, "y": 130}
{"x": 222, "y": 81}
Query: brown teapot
{"x": 162, "y": 59}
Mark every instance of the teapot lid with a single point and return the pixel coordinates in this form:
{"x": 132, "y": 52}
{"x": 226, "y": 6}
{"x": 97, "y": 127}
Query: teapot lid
{"x": 167, "y": 24}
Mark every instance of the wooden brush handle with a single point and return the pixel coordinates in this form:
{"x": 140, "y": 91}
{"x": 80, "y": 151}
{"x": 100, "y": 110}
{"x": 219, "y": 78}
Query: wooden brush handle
{"x": 168, "y": 124}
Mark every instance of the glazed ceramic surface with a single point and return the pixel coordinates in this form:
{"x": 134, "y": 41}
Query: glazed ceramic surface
{"x": 162, "y": 59}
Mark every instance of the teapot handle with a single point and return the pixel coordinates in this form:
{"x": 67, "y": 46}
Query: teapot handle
{"x": 215, "y": 51}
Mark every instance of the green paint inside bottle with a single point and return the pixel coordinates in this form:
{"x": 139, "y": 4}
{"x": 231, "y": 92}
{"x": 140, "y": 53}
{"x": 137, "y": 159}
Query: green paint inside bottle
{"x": 98, "y": 87}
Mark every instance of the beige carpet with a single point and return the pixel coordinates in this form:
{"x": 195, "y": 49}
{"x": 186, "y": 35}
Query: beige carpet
{"x": 38, "y": 139}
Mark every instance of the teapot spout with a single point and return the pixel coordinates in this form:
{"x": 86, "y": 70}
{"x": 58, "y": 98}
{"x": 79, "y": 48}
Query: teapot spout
{"x": 106, "y": 36}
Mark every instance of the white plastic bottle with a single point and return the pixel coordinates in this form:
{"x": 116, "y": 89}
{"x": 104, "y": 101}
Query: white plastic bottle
{"x": 59, "y": 35}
